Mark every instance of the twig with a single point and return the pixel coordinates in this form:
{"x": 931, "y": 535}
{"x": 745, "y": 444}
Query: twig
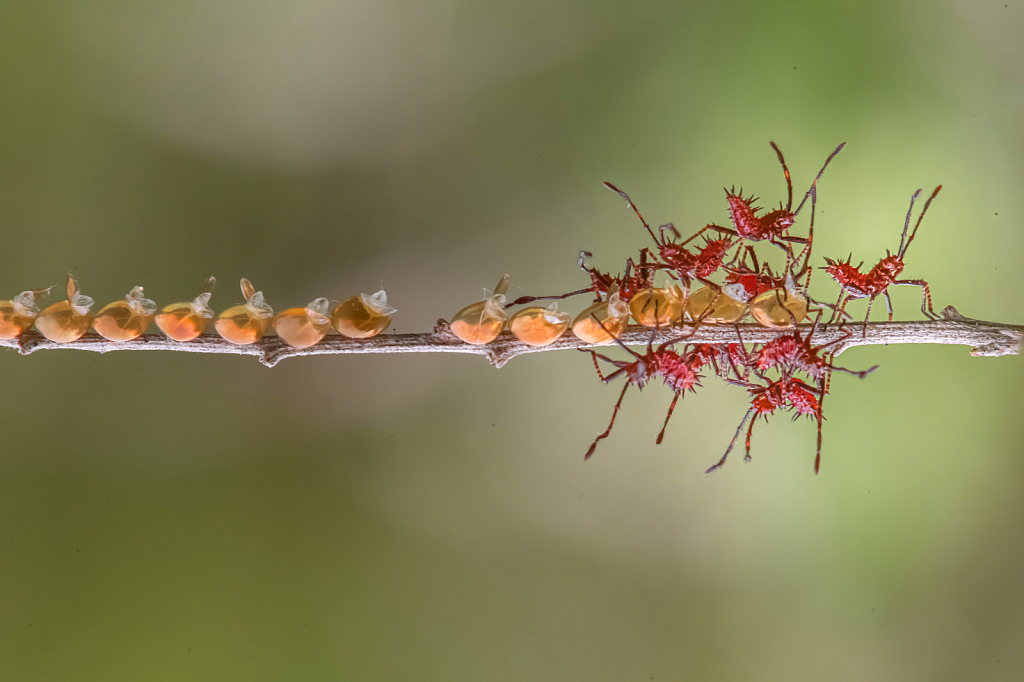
{"x": 985, "y": 338}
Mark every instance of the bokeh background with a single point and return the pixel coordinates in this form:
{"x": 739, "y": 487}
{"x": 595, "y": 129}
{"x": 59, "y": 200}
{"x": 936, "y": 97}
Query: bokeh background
{"x": 171, "y": 516}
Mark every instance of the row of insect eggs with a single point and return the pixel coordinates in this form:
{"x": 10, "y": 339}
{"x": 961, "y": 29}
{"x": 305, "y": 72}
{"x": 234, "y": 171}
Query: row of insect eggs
{"x": 481, "y": 322}
{"x": 357, "y": 317}
{"x": 365, "y": 316}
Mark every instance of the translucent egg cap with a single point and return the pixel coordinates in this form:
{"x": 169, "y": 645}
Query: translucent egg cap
{"x": 495, "y": 301}
{"x": 378, "y": 304}
{"x": 79, "y": 303}
{"x": 617, "y": 308}
{"x": 27, "y": 302}
{"x": 737, "y": 292}
{"x": 201, "y": 303}
{"x": 139, "y": 304}
{"x": 255, "y": 302}
{"x": 554, "y": 316}
{"x": 319, "y": 311}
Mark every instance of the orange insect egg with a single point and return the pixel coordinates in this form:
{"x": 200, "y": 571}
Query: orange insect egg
{"x": 714, "y": 307}
{"x": 18, "y": 314}
{"x": 303, "y": 327}
{"x": 779, "y": 308}
{"x": 246, "y": 323}
{"x": 481, "y": 322}
{"x": 125, "y": 320}
{"x": 658, "y": 307}
{"x": 186, "y": 320}
{"x": 363, "y": 316}
{"x": 66, "y": 321}
{"x": 538, "y": 326}
{"x": 611, "y": 319}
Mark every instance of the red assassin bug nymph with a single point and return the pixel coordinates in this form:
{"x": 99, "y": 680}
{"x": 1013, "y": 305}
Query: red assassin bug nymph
{"x": 774, "y": 225}
{"x": 876, "y": 282}
{"x": 678, "y": 371}
{"x": 686, "y": 264}
{"x": 635, "y": 278}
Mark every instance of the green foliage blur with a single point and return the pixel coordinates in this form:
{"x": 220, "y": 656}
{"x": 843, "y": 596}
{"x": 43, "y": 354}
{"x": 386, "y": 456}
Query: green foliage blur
{"x": 416, "y": 517}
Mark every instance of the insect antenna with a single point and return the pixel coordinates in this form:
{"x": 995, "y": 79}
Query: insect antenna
{"x": 635, "y": 210}
{"x": 813, "y": 184}
{"x": 530, "y": 299}
{"x": 906, "y": 223}
{"x": 904, "y": 247}
{"x": 785, "y": 170}
{"x": 732, "y": 443}
{"x": 615, "y": 413}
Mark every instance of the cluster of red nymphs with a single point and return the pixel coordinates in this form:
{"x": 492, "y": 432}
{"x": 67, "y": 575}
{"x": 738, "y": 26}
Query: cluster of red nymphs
{"x": 788, "y": 373}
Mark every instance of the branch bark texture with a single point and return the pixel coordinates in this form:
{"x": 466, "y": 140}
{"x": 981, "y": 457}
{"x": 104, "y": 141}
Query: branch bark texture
{"x": 985, "y": 338}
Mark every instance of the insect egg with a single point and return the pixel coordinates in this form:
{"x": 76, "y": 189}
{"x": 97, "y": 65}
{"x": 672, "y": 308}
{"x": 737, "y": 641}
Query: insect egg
{"x": 717, "y": 307}
{"x": 186, "y": 320}
{"x": 481, "y": 322}
{"x": 779, "y": 308}
{"x": 658, "y": 307}
{"x": 18, "y": 314}
{"x": 363, "y": 316}
{"x": 126, "y": 319}
{"x": 536, "y": 326}
{"x": 611, "y": 318}
{"x": 66, "y": 321}
{"x": 246, "y": 323}
{"x": 303, "y": 327}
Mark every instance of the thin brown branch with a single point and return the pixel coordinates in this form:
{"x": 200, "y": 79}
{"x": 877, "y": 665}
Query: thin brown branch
{"x": 985, "y": 339}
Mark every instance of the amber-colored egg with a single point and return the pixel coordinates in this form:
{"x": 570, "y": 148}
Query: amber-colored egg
{"x": 778, "y": 308}
{"x": 246, "y": 323}
{"x": 61, "y": 323}
{"x": 356, "y": 320}
{"x": 180, "y": 321}
{"x": 538, "y": 326}
{"x": 117, "y": 321}
{"x": 657, "y": 307}
{"x": 482, "y": 321}
{"x": 300, "y": 327}
{"x": 239, "y": 325}
{"x": 587, "y": 329}
{"x": 716, "y": 307}
{"x": 474, "y": 324}
{"x": 13, "y": 322}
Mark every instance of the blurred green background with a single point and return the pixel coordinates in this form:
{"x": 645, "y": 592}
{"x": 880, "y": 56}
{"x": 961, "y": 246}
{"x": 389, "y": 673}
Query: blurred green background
{"x": 180, "y": 517}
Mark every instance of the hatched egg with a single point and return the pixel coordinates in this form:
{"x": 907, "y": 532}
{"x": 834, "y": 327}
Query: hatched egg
{"x": 126, "y": 319}
{"x": 363, "y": 316}
{"x": 602, "y": 320}
{"x": 716, "y": 307}
{"x": 66, "y": 321}
{"x": 658, "y": 307}
{"x": 18, "y": 314}
{"x": 186, "y": 320}
{"x": 481, "y": 322}
{"x": 304, "y": 327}
{"x": 779, "y": 308}
{"x": 536, "y": 326}
{"x": 246, "y": 323}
